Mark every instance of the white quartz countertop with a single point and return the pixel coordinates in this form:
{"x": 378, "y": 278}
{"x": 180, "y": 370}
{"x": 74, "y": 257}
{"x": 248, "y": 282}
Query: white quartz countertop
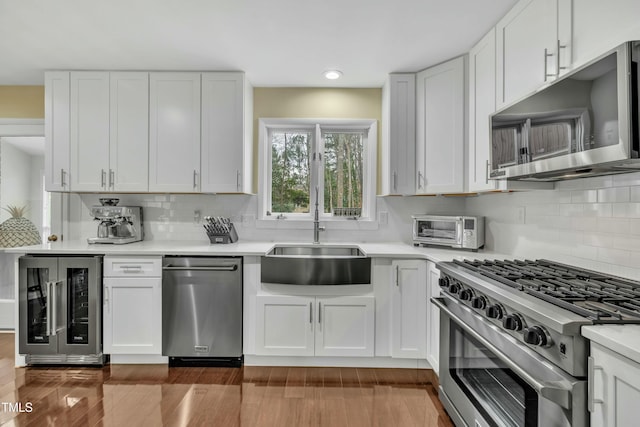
{"x": 623, "y": 339}
{"x": 245, "y": 248}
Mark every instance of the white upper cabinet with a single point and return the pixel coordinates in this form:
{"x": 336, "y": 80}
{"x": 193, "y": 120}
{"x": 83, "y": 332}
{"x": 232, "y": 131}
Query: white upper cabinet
{"x": 440, "y": 128}
{"x": 399, "y": 134}
{"x": 174, "y": 132}
{"x": 599, "y": 26}
{"x": 129, "y": 132}
{"x": 482, "y": 89}
{"x": 533, "y": 47}
{"x": 89, "y": 130}
{"x": 227, "y": 138}
{"x": 56, "y": 120}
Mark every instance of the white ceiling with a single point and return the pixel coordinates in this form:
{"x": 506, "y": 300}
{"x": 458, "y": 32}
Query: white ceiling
{"x": 276, "y": 42}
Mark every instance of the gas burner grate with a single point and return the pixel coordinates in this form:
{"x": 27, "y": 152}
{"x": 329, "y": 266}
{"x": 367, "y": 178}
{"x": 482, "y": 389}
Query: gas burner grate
{"x": 602, "y": 298}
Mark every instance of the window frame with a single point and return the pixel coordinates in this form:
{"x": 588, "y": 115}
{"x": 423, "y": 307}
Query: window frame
{"x": 318, "y": 127}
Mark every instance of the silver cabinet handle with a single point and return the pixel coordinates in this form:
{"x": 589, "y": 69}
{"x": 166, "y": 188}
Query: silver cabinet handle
{"x": 238, "y": 188}
{"x": 211, "y": 268}
{"x": 195, "y": 178}
{"x": 112, "y": 178}
{"x": 558, "y": 47}
{"x": 106, "y": 299}
{"x": 319, "y": 312}
{"x": 397, "y": 276}
{"x": 395, "y": 181}
{"x": 311, "y": 312}
{"x": 103, "y": 178}
{"x": 551, "y": 390}
{"x": 546, "y": 63}
{"x": 591, "y": 400}
{"x": 419, "y": 179}
{"x": 486, "y": 172}
{"x": 62, "y": 176}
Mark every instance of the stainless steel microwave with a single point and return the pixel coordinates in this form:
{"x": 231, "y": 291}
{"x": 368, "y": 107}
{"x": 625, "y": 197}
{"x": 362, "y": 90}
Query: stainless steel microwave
{"x": 461, "y": 232}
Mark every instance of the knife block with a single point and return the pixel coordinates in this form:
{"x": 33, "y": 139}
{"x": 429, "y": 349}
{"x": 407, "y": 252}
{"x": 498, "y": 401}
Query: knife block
{"x": 230, "y": 237}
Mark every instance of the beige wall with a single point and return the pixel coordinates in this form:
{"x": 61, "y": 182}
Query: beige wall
{"x": 315, "y": 103}
{"x": 23, "y": 102}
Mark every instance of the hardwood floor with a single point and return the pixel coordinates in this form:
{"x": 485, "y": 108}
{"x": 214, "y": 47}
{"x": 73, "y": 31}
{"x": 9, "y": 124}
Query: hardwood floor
{"x": 155, "y": 395}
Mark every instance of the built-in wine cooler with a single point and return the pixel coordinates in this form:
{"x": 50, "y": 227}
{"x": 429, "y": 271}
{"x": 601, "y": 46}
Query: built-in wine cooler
{"x": 60, "y": 310}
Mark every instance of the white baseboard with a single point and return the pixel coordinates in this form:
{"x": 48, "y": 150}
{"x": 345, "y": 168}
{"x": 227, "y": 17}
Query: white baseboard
{"x": 7, "y": 314}
{"x": 353, "y": 362}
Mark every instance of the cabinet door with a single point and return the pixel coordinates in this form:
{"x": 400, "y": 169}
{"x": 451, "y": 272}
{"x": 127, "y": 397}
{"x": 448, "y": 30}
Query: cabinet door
{"x": 56, "y": 122}
{"x": 433, "y": 317}
{"x": 133, "y": 315}
{"x": 174, "y": 132}
{"x": 284, "y": 325}
{"x": 409, "y": 313}
{"x": 600, "y": 26}
{"x": 440, "y": 128}
{"x": 482, "y": 91}
{"x": 527, "y": 45}
{"x": 399, "y": 134}
{"x": 89, "y": 130}
{"x": 615, "y": 387}
{"x": 129, "y": 132}
{"x": 223, "y": 136}
{"x": 345, "y": 326}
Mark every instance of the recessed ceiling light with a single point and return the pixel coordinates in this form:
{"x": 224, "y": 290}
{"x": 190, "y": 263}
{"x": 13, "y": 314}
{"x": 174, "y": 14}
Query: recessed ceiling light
{"x": 333, "y": 74}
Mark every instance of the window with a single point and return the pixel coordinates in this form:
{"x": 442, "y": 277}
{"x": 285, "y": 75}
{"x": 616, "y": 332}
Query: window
{"x": 329, "y": 161}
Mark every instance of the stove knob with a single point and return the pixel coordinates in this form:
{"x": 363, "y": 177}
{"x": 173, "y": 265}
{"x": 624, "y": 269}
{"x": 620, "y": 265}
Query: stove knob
{"x": 513, "y": 322}
{"x": 495, "y": 311}
{"x": 479, "y": 302}
{"x": 537, "y": 335}
{"x": 454, "y": 288}
{"x": 444, "y": 282}
{"x": 466, "y": 295}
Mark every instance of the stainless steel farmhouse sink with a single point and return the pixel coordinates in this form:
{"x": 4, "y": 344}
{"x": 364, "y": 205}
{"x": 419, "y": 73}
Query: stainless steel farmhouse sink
{"x": 316, "y": 265}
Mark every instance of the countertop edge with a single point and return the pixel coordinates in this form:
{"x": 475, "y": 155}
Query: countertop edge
{"x": 621, "y": 339}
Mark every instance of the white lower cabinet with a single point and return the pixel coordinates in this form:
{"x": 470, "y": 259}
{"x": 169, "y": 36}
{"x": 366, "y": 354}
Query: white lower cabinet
{"x": 614, "y": 389}
{"x": 132, "y": 312}
{"x": 315, "y": 326}
{"x": 408, "y": 299}
{"x": 433, "y": 317}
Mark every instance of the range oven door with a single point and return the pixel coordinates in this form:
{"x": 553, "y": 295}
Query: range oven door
{"x": 488, "y": 378}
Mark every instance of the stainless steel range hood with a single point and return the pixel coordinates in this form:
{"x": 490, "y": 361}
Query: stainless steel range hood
{"x": 583, "y": 124}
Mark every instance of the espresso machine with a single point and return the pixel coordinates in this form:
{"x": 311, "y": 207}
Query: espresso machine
{"x": 117, "y": 224}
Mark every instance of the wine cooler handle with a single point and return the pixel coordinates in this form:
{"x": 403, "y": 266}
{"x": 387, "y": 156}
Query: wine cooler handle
{"x": 49, "y": 304}
{"x": 54, "y": 307}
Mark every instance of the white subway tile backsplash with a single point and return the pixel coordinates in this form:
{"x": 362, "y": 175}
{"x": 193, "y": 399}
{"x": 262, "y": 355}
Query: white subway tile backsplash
{"x": 627, "y": 243}
{"x": 584, "y": 196}
{"x": 584, "y": 251}
{"x": 597, "y": 209}
{"x": 604, "y": 240}
{"x": 585, "y": 224}
{"x": 626, "y": 179}
{"x": 543, "y": 209}
{"x": 628, "y": 210}
{"x": 571, "y": 209}
{"x": 634, "y": 224}
{"x": 634, "y": 194}
{"x": 613, "y": 195}
{"x": 613, "y": 225}
{"x": 614, "y": 256}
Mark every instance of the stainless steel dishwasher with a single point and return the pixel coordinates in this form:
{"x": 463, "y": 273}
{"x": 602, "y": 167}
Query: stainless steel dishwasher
{"x": 202, "y": 311}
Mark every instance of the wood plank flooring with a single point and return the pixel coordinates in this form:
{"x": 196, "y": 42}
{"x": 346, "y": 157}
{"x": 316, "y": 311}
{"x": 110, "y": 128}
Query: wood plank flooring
{"x": 155, "y": 395}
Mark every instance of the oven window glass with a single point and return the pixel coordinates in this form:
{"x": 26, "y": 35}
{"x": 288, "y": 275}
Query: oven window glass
{"x": 437, "y": 229}
{"x": 501, "y": 396}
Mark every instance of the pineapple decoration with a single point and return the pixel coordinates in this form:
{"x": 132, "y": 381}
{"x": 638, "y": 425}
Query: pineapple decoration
{"x": 18, "y": 230}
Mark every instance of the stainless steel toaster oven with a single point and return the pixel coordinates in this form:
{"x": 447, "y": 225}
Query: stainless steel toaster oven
{"x": 461, "y": 232}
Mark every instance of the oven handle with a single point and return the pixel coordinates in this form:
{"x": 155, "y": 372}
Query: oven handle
{"x": 559, "y": 395}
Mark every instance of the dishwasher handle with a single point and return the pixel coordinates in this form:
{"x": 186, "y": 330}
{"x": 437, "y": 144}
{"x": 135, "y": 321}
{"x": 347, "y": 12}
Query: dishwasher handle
{"x": 208, "y": 268}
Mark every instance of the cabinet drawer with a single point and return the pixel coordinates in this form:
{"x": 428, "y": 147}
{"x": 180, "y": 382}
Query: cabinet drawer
{"x": 132, "y": 267}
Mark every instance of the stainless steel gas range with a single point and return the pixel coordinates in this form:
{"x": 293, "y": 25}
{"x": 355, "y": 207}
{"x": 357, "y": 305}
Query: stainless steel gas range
{"x": 511, "y": 351}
